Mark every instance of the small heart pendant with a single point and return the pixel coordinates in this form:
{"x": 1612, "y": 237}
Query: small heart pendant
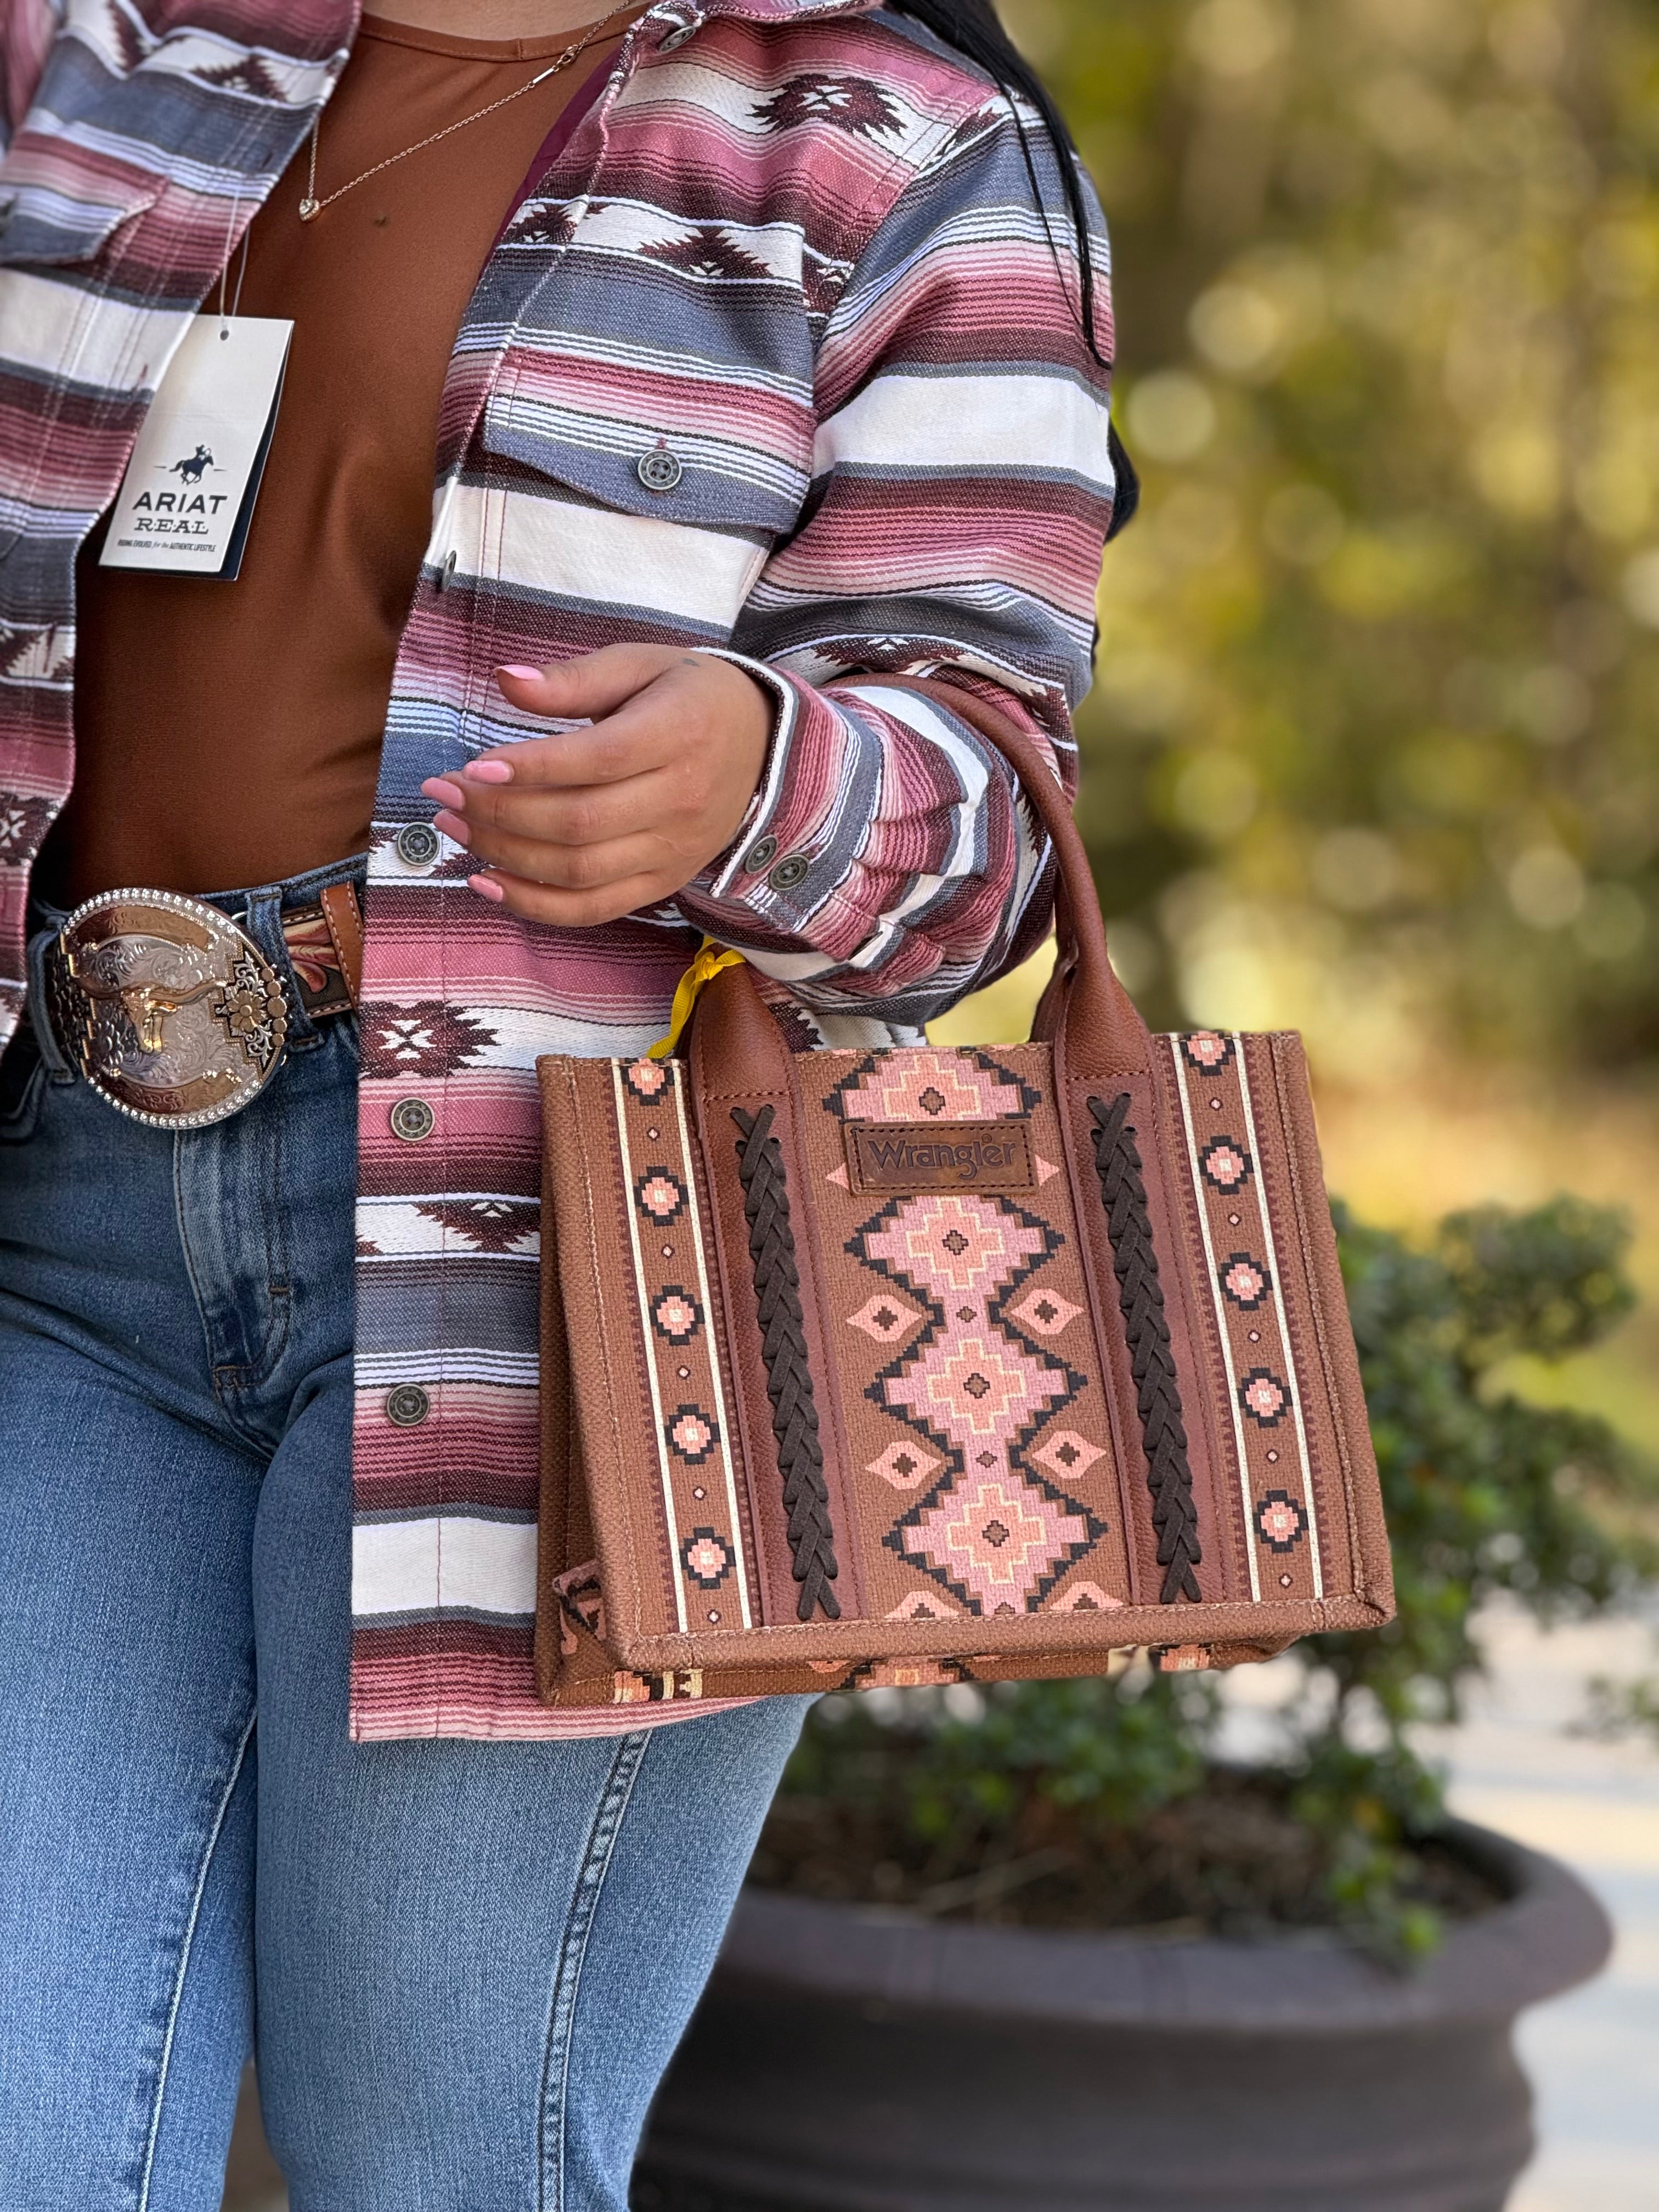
{"x": 308, "y": 209}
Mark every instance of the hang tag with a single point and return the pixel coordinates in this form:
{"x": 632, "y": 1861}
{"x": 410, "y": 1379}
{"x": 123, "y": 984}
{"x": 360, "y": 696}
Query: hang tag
{"x": 187, "y": 498}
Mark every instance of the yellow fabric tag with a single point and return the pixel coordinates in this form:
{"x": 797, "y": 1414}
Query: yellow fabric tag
{"x": 710, "y": 960}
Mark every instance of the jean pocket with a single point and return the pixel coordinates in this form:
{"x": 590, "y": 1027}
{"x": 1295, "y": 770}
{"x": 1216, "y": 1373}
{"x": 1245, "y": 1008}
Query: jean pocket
{"x": 22, "y": 1084}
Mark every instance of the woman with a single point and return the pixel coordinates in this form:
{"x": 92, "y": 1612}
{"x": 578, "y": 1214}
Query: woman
{"x": 761, "y": 348}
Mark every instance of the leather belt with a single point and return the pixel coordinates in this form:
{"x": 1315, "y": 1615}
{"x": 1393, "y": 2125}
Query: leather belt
{"x": 172, "y": 1013}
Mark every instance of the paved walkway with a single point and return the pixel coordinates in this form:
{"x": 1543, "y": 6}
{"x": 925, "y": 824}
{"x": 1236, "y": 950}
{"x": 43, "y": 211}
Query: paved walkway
{"x": 1593, "y": 2055}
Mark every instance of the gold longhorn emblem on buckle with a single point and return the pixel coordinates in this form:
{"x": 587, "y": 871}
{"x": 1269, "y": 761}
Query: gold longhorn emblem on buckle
{"x": 146, "y": 1005}
{"x": 168, "y": 1007}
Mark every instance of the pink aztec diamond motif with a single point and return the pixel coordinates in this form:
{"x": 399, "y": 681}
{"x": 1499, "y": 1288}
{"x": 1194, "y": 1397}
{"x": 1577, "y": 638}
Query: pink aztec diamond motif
{"x": 1068, "y": 1455}
{"x": 692, "y": 1433}
{"x": 1245, "y": 1280}
{"x": 706, "y": 1557}
{"x": 955, "y": 1244}
{"x": 905, "y": 1466}
{"x": 660, "y": 1195}
{"x": 1208, "y": 1051}
{"x": 1045, "y": 1313}
{"x": 1225, "y": 1163}
{"x": 996, "y": 1541}
{"x": 977, "y": 1385}
{"x": 886, "y": 1318}
{"x": 1264, "y": 1397}
{"x": 648, "y": 1079}
{"x": 677, "y": 1315}
{"x": 1280, "y": 1521}
{"x": 916, "y": 1083}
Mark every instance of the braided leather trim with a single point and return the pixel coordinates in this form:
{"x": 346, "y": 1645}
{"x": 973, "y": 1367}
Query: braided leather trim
{"x": 788, "y": 1375}
{"x": 1129, "y": 1223}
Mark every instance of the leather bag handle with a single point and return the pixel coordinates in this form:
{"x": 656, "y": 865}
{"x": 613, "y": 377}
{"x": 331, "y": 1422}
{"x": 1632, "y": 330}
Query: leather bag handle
{"x": 1085, "y": 1012}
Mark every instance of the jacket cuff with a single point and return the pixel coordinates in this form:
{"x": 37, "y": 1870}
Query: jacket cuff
{"x": 778, "y": 870}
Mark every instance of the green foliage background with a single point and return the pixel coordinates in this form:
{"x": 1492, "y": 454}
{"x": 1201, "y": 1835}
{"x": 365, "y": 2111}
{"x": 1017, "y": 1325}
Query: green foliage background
{"x": 1372, "y": 752}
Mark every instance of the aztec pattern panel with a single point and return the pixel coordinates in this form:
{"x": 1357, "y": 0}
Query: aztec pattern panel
{"x": 1238, "y": 1195}
{"x": 707, "y": 1547}
{"x": 980, "y": 1450}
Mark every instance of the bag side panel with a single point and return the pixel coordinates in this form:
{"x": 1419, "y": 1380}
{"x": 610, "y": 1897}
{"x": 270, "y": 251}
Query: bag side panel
{"x": 1247, "y": 1267}
{"x": 1346, "y": 1470}
{"x": 623, "y": 1192}
{"x": 1228, "y": 1144}
{"x": 1310, "y": 1443}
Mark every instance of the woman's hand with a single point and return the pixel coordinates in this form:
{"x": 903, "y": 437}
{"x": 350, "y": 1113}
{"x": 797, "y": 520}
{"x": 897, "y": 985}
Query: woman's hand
{"x": 594, "y": 823}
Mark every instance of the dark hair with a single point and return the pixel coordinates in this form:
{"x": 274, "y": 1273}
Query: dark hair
{"x": 973, "y": 27}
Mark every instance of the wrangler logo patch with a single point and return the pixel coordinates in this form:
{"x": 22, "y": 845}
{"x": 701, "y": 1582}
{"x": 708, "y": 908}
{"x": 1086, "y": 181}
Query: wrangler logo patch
{"x": 928, "y": 1155}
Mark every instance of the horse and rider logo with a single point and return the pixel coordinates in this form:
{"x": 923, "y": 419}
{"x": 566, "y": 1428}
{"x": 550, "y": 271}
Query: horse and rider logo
{"x": 192, "y": 469}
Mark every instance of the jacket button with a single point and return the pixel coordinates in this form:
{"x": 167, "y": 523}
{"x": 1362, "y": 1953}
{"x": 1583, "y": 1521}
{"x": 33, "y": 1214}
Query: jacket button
{"x": 412, "y": 1119}
{"x": 450, "y": 563}
{"x": 787, "y": 873}
{"x": 676, "y": 40}
{"x": 408, "y": 1405}
{"x": 659, "y": 471}
{"x": 760, "y": 855}
{"x": 417, "y": 844}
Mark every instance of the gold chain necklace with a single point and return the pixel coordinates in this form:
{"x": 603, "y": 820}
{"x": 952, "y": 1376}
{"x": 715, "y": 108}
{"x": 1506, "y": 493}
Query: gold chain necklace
{"x": 311, "y": 207}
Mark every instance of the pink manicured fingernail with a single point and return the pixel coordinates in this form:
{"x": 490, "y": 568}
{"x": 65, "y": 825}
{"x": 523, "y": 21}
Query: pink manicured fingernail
{"x": 487, "y": 888}
{"x": 490, "y": 771}
{"x": 522, "y": 671}
{"x": 451, "y": 825}
{"x": 446, "y": 792}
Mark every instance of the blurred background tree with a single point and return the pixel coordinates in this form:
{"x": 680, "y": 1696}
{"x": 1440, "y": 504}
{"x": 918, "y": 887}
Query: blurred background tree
{"x": 1373, "y": 752}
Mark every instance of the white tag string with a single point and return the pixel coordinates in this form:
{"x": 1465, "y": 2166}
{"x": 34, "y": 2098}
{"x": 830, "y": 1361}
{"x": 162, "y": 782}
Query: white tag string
{"x": 224, "y": 274}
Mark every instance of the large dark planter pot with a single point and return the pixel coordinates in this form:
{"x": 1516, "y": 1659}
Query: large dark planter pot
{"x": 855, "y": 2060}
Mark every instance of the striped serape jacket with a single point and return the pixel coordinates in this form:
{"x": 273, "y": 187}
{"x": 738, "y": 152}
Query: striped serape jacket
{"x": 795, "y": 244}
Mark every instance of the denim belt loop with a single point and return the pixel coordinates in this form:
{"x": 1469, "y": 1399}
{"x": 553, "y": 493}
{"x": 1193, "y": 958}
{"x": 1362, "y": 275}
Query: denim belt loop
{"x": 40, "y": 1007}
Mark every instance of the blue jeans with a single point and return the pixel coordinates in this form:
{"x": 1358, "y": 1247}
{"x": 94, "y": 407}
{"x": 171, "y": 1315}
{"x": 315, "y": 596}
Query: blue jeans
{"x": 468, "y": 1963}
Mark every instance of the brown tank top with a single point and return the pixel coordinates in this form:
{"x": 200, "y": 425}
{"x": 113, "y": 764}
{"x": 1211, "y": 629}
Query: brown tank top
{"x": 229, "y": 734}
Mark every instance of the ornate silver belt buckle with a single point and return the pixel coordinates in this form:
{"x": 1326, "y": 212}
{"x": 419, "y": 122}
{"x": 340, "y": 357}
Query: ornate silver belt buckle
{"x": 169, "y": 1010}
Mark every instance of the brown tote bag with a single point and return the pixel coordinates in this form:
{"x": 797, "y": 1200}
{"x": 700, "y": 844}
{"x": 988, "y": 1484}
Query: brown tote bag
{"x": 927, "y": 1365}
